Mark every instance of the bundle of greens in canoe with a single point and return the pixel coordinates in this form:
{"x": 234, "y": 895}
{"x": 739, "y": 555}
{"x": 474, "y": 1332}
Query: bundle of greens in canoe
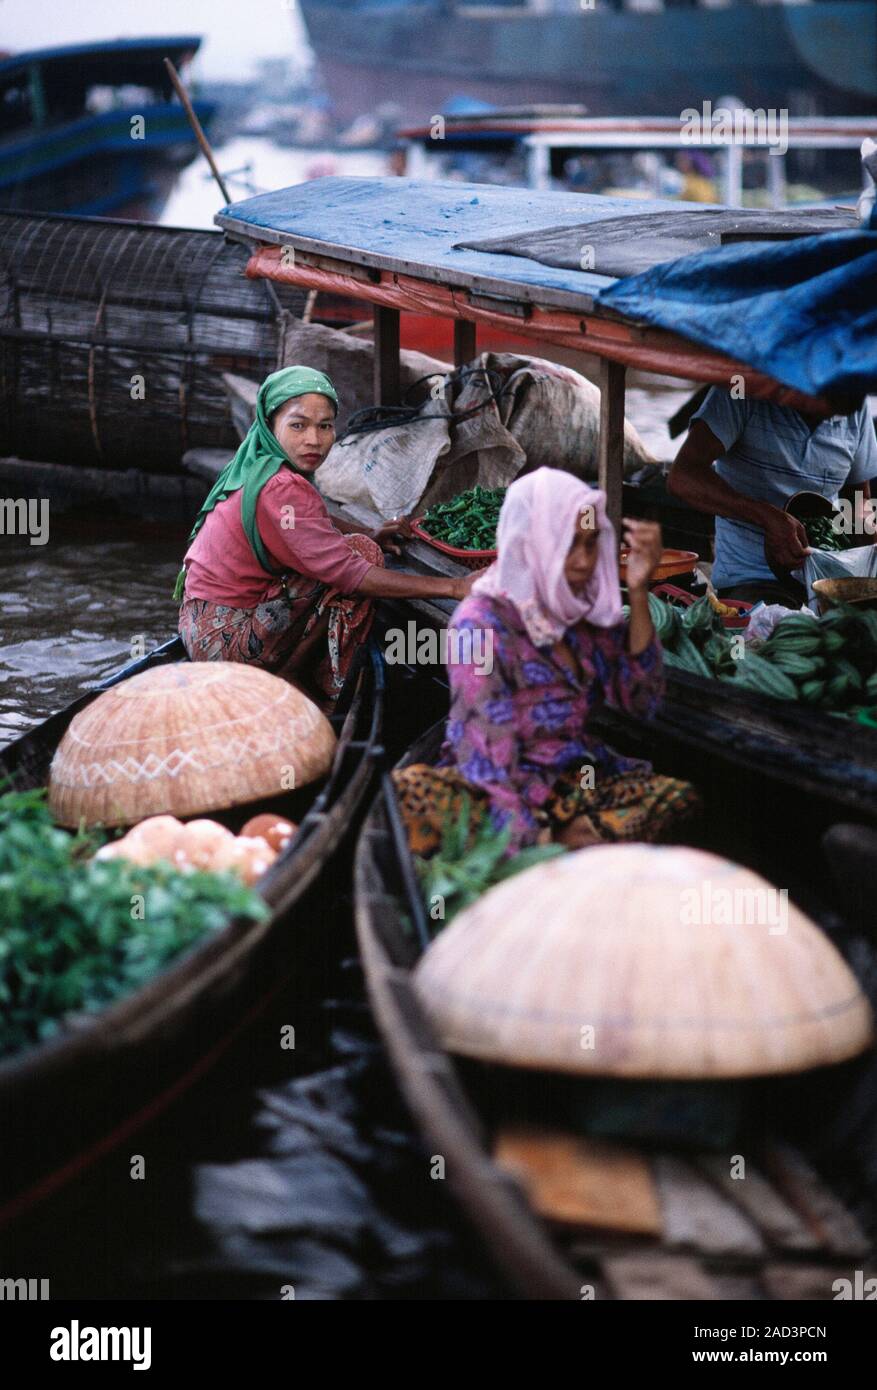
{"x": 469, "y": 521}
{"x": 829, "y": 662}
{"x": 77, "y": 933}
{"x": 469, "y": 860}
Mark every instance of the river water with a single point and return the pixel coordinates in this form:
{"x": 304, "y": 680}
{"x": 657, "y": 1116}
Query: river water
{"x": 276, "y": 1170}
{"x": 76, "y": 609}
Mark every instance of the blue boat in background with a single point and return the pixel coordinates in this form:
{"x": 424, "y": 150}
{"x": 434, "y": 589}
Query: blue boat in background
{"x": 95, "y": 128}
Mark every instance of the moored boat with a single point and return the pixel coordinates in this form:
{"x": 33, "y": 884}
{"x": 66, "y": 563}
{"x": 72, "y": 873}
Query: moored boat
{"x": 614, "y": 58}
{"x": 113, "y": 335}
{"x": 407, "y": 247}
{"x": 93, "y": 128}
{"x": 68, "y": 1101}
{"x": 566, "y": 1214}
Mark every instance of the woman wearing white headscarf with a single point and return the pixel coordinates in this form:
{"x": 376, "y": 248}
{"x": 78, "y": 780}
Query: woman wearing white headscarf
{"x": 541, "y": 644}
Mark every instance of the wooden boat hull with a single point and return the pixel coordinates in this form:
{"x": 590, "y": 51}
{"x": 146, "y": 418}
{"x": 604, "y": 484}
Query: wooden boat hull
{"x": 67, "y": 1102}
{"x": 537, "y": 1260}
{"x": 833, "y": 762}
{"x": 428, "y": 1078}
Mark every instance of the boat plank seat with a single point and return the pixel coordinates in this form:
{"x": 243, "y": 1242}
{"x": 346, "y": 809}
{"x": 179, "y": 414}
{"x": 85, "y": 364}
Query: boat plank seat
{"x": 780, "y": 1224}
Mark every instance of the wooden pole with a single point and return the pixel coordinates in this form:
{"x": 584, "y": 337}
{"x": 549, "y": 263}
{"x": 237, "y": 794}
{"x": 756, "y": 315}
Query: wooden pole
{"x": 386, "y": 363}
{"x": 464, "y": 341}
{"x": 196, "y": 126}
{"x": 733, "y": 176}
{"x": 198, "y": 130}
{"x": 308, "y": 311}
{"x": 610, "y": 450}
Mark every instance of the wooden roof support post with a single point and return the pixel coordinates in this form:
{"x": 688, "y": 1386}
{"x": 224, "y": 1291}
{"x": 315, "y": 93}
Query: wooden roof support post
{"x": 610, "y": 450}
{"x": 387, "y": 390}
{"x": 732, "y": 176}
{"x": 464, "y": 341}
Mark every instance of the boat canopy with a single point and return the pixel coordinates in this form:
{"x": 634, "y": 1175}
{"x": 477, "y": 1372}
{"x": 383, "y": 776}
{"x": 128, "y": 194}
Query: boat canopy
{"x": 114, "y": 61}
{"x": 515, "y": 251}
{"x": 406, "y": 245}
{"x": 50, "y": 85}
{"x": 627, "y": 245}
{"x": 417, "y": 226}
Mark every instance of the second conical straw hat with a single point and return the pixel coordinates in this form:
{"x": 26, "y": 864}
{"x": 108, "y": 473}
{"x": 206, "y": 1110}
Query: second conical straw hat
{"x": 187, "y": 738}
{"x": 642, "y": 961}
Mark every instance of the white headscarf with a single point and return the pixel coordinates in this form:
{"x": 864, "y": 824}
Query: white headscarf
{"x": 537, "y": 525}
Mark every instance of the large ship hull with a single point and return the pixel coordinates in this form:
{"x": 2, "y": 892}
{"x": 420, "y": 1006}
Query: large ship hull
{"x": 819, "y": 58}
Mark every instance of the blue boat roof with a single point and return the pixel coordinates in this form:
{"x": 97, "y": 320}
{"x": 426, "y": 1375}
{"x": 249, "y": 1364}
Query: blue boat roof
{"x": 403, "y": 224}
{"x": 801, "y": 311}
{"x": 108, "y": 47}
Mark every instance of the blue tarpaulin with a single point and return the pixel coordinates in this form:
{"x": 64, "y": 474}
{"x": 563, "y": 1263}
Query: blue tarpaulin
{"x": 802, "y": 311}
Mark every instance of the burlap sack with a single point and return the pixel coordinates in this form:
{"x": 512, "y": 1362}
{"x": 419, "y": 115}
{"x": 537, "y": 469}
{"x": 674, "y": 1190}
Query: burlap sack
{"x": 531, "y": 414}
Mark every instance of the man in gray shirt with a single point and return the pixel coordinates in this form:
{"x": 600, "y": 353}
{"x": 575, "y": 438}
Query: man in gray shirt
{"x": 743, "y": 459}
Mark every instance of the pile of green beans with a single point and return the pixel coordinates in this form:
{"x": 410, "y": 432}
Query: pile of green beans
{"x": 469, "y": 521}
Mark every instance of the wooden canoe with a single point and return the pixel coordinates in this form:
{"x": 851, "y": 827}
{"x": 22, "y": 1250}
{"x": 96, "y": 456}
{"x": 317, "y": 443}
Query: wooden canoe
{"x": 65, "y": 1103}
{"x": 565, "y": 1216}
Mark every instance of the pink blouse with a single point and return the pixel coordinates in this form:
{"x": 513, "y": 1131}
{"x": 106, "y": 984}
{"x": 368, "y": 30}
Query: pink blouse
{"x": 297, "y": 533}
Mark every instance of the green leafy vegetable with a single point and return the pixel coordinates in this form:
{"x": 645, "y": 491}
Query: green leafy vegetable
{"x": 77, "y": 933}
{"x": 465, "y": 866}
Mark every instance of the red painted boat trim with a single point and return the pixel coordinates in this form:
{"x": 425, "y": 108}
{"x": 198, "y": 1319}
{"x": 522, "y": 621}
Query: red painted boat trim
{"x": 649, "y": 349}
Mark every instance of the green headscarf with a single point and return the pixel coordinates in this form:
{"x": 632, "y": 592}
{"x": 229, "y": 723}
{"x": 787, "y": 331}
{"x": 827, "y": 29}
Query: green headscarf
{"x": 259, "y": 457}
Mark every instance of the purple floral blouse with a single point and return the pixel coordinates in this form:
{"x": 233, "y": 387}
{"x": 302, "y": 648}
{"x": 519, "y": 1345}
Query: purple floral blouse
{"x": 517, "y": 722}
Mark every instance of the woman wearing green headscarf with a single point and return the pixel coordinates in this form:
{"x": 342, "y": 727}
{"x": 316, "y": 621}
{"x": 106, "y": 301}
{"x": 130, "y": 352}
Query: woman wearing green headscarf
{"x": 269, "y": 578}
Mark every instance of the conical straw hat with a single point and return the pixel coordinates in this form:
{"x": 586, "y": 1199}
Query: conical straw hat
{"x": 184, "y": 739}
{"x": 640, "y": 961}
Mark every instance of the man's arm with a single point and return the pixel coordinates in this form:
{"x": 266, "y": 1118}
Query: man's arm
{"x": 693, "y": 479}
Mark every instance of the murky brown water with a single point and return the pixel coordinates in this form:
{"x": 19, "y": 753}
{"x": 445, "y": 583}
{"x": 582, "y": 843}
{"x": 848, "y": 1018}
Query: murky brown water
{"x": 76, "y": 608}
